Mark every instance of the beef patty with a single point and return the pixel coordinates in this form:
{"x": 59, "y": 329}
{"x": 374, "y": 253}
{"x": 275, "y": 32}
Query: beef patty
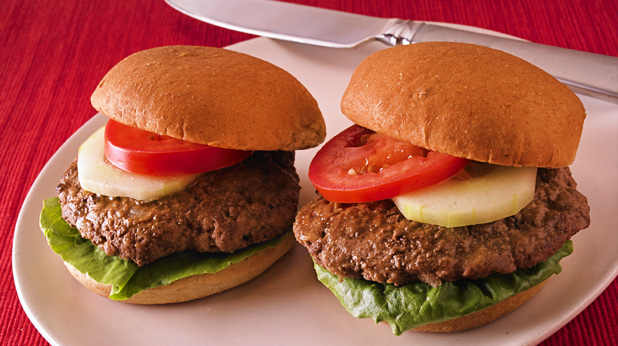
{"x": 375, "y": 242}
{"x": 224, "y": 210}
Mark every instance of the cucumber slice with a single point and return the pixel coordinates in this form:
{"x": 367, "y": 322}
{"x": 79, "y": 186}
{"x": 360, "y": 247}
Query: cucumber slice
{"x": 479, "y": 194}
{"x": 97, "y": 175}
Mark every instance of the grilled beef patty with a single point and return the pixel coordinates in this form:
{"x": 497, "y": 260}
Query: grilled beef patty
{"x": 375, "y": 242}
{"x": 223, "y": 211}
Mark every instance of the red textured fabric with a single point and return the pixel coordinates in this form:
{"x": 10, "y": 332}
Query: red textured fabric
{"x": 53, "y": 53}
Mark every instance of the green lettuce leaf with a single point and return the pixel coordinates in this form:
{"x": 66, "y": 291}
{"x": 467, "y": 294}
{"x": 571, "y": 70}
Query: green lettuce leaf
{"x": 126, "y": 277}
{"x": 413, "y": 305}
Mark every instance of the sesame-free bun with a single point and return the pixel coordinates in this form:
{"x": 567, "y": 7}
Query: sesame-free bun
{"x": 484, "y": 316}
{"x": 468, "y": 101}
{"x": 197, "y": 286}
{"x": 212, "y": 96}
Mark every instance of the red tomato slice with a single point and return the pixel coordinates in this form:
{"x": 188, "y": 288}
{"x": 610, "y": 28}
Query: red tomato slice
{"x": 142, "y": 152}
{"x": 359, "y": 166}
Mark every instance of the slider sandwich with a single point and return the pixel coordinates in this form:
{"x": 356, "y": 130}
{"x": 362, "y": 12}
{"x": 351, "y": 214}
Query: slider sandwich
{"x": 190, "y": 188}
{"x": 450, "y": 201}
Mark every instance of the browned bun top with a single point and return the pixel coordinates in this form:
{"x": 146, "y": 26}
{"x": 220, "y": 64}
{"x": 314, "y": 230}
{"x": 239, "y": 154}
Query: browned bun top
{"x": 468, "y": 101}
{"x": 211, "y": 96}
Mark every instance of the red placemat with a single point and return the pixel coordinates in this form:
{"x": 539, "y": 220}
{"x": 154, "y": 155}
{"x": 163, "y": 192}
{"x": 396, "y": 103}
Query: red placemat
{"x": 53, "y": 53}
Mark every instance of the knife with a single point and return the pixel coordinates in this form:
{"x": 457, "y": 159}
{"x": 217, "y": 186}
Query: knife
{"x": 586, "y": 73}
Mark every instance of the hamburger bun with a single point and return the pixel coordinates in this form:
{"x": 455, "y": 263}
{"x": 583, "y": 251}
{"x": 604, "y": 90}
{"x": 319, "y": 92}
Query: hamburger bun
{"x": 211, "y": 96}
{"x": 468, "y": 101}
{"x": 482, "y": 317}
{"x": 197, "y": 286}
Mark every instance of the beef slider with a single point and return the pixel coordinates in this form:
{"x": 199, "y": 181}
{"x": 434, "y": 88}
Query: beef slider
{"x": 471, "y": 102}
{"x": 202, "y": 95}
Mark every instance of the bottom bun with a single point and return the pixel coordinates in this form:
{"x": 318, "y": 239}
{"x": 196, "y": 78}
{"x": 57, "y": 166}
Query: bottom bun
{"x": 197, "y": 286}
{"x": 484, "y": 316}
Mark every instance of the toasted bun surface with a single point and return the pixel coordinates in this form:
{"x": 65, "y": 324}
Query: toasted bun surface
{"x": 468, "y": 101}
{"x": 211, "y": 96}
{"x": 484, "y": 316}
{"x": 197, "y": 286}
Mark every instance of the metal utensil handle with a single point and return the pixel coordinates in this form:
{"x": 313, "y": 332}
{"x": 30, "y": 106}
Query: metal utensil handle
{"x": 586, "y": 73}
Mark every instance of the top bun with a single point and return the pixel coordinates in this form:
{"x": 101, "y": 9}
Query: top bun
{"x": 211, "y": 96}
{"x": 468, "y": 101}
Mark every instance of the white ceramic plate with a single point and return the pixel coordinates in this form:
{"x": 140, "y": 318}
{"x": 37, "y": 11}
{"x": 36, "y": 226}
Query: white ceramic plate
{"x": 287, "y": 305}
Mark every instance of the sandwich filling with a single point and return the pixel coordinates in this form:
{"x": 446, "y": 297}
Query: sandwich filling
{"x": 375, "y": 242}
{"x": 222, "y": 211}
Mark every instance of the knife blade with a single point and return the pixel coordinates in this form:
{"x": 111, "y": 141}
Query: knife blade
{"x": 586, "y": 73}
